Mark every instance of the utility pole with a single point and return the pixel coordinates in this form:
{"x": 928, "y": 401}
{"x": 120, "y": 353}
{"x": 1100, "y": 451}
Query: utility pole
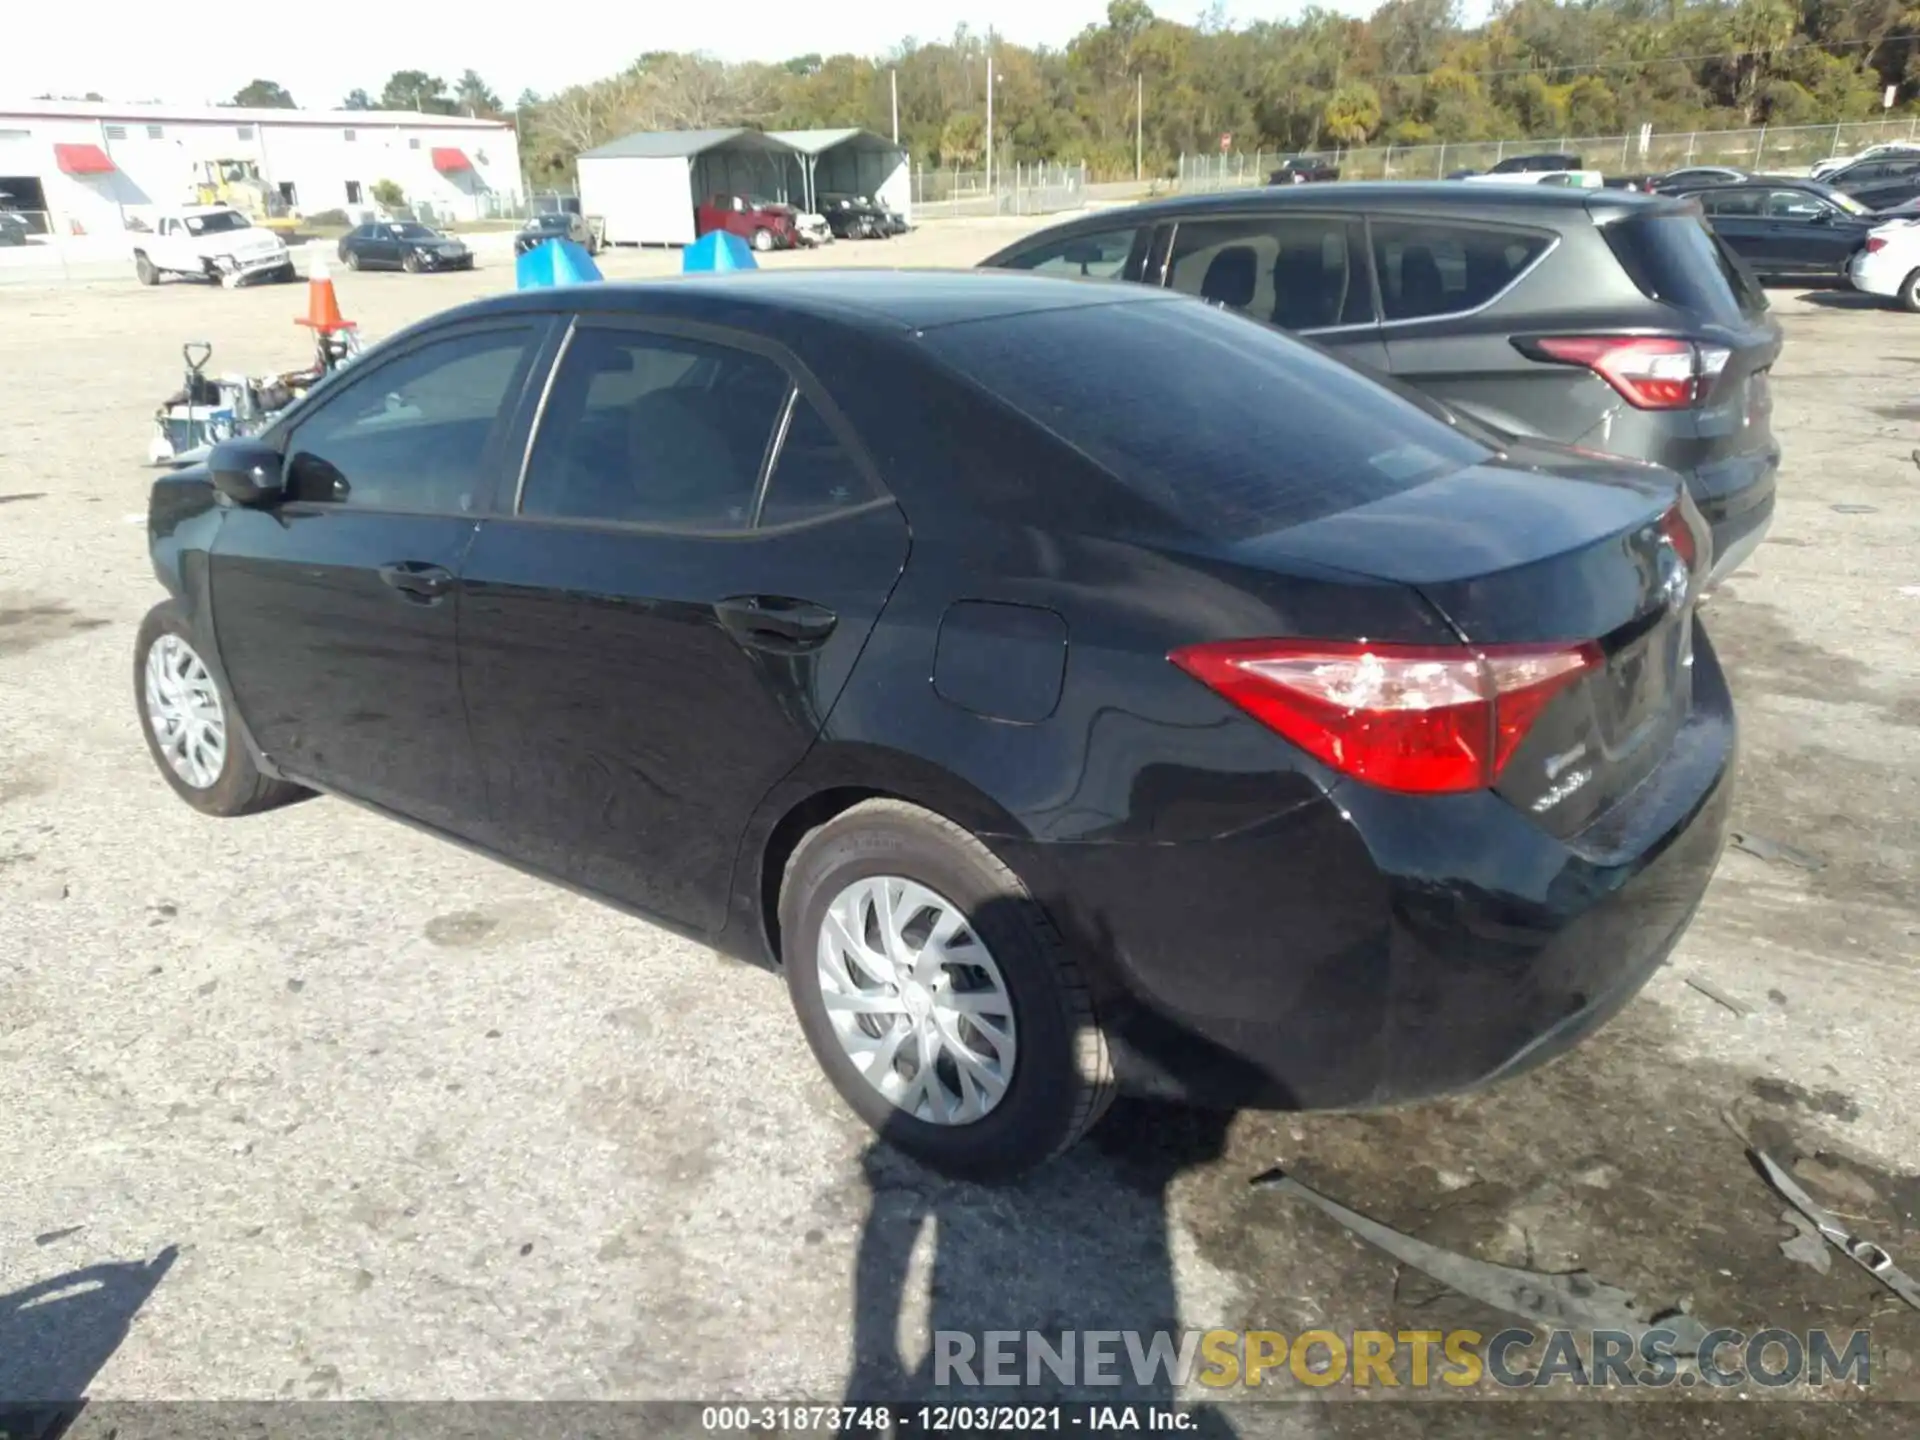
{"x": 1139, "y": 125}
{"x": 990, "y": 121}
{"x": 893, "y": 86}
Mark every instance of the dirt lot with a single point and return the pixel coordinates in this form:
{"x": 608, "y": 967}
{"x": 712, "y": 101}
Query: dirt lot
{"x": 387, "y": 1120}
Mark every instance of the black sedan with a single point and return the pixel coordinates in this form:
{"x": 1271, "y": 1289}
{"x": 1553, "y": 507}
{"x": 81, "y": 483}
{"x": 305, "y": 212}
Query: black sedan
{"x": 1070, "y": 688}
{"x": 402, "y": 245}
{"x": 556, "y": 225}
{"x": 854, "y": 217}
{"x": 1305, "y": 170}
{"x": 1787, "y": 229}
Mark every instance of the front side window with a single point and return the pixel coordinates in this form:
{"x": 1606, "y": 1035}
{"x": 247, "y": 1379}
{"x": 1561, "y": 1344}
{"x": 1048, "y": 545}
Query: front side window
{"x": 1427, "y": 268}
{"x": 1299, "y": 272}
{"x": 412, "y": 435}
{"x": 1096, "y": 257}
{"x": 656, "y": 430}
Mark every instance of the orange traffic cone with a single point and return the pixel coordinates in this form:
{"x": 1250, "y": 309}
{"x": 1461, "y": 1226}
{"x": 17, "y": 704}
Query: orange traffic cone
{"x": 323, "y": 306}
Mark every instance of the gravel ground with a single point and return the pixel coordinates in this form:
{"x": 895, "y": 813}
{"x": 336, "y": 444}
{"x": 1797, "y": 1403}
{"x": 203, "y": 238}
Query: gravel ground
{"x": 329, "y": 1109}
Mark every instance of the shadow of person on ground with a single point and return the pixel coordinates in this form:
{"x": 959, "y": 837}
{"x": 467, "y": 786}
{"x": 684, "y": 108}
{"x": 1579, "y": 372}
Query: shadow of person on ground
{"x": 56, "y": 1334}
{"x": 1083, "y": 1245}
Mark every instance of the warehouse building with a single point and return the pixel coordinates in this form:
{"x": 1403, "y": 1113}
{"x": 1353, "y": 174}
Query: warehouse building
{"x": 646, "y": 186}
{"x": 91, "y": 168}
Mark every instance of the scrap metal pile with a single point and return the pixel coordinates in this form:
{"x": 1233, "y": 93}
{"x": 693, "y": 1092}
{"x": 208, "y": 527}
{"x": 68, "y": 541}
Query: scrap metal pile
{"x": 208, "y": 409}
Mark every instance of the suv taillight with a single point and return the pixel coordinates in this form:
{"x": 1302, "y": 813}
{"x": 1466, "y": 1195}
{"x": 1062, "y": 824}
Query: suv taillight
{"x": 1652, "y": 372}
{"x": 1876, "y": 243}
{"x": 1422, "y": 719}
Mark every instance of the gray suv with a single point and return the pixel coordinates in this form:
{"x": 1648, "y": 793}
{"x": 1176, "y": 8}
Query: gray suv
{"x": 1599, "y": 318}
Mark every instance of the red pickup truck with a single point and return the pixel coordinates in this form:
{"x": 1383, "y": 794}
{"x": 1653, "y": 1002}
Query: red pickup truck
{"x": 763, "y": 224}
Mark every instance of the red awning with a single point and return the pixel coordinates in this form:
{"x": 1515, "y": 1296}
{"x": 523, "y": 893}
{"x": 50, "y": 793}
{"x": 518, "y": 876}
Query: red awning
{"x": 82, "y": 160}
{"x": 449, "y": 161}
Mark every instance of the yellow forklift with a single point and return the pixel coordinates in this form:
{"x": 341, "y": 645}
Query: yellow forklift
{"x": 239, "y": 184}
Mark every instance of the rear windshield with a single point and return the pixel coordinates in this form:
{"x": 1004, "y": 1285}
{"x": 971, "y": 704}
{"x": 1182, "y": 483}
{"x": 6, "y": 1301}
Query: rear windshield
{"x": 1217, "y": 420}
{"x": 1677, "y": 259}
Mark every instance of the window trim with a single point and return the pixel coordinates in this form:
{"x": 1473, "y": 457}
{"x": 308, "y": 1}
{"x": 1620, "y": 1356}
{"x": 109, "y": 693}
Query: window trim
{"x": 537, "y": 324}
{"x": 1347, "y": 220}
{"x": 801, "y": 383}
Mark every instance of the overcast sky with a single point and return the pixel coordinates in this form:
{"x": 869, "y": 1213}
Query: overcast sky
{"x": 136, "y": 50}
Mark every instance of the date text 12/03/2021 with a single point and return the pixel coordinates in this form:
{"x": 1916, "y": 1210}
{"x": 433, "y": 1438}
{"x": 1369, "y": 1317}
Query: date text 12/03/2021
{"x": 900, "y": 1421}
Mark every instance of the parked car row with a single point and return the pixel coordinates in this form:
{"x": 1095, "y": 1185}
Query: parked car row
{"x": 1393, "y": 757}
{"x": 775, "y": 225}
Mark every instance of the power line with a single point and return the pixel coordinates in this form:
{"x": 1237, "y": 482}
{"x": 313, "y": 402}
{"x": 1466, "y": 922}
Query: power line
{"x": 1555, "y": 67}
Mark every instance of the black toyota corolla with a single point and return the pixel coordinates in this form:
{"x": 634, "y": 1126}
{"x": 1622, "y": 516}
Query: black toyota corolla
{"x": 997, "y": 658}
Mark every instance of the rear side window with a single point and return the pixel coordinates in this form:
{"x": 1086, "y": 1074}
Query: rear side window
{"x": 1095, "y": 257}
{"x": 813, "y": 476}
{"x": 1427, "y": 268}
{"x": 1225, "y": 425}
{"x": 1678, "y": 260}
{"x": 1301, "y": 272}
{"x": 656, "y": 430}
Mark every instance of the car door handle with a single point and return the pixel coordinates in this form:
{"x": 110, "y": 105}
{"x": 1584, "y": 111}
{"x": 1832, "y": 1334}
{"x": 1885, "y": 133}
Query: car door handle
{"x": 775, "y": 622}
{"x": 417, "y": 580}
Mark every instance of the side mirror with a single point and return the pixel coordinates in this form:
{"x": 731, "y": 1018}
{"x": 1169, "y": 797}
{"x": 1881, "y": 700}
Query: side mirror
{"x": 246, "y": 471}
{"x": 1823, "y": 217}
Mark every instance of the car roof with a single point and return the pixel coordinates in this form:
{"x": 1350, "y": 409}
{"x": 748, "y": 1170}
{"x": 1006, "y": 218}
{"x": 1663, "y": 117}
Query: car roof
{"x": 869, "y": 299}
{"x": 1377, "y": 197}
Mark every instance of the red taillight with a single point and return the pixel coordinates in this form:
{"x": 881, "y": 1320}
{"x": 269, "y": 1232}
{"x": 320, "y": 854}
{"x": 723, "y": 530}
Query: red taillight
{"x": 1423, "y": 719}
{"x": 1876, "y": 243}
{"x": 1652, "y": 372}
{"x": 1679, "y": 534}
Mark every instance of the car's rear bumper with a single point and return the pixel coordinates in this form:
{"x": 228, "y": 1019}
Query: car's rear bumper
{"x": 1368, "y": 948}
{"x": 1882, "y": 273}
{"x": 1728, "y": 458}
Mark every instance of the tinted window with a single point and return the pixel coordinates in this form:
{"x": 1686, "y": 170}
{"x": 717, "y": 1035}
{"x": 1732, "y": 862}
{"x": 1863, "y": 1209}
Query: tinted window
{"x": 1434, "y": 269}
{"x": 1795, "y": 205}
{"x": 217, "y": 223}
{"x": 412, "y": 434}
{"x": 1099, "y": 257}
{"x": 1733, "y": 202}
{"x": 812, "y": 475}
{"x": 654, "y": 430}
{"x": 1298, "y": 271}
{"x": 1675, "y": 258}
{"x": 1227, "y": 426}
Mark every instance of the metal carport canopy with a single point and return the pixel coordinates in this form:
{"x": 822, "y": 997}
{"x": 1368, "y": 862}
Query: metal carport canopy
{"x": 690, "y": 145}
{"x": 814, "y": 143}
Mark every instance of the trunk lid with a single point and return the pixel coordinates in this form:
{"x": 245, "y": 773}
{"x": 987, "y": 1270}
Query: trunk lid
{"x": 1511, "y": 555}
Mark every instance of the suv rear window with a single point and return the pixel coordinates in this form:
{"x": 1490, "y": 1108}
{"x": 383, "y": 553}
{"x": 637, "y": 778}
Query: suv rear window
{"x": 1219, "y": 421}
{"x": 1677, "y": 259}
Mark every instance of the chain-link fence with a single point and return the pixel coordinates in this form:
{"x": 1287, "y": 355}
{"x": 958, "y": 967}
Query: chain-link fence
{"x": 1765, "y": 148}
{"x": 1017, "y": 189}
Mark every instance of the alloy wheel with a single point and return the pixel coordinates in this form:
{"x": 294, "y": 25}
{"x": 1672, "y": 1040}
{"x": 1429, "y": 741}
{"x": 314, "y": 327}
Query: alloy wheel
{"x": 183, "y": 707}
{"x": 915, "y": 1000}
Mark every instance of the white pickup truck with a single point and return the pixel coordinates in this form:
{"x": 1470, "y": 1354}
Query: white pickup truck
{"x": 211, "y": 242}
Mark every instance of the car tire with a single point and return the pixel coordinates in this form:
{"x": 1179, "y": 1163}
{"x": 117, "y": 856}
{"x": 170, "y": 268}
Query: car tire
{"x": 762, "y": 240}
{"x": 148, "y": 272}
{"x": 286, "y": 274}
{"x": 1061, "y": 1078}
{"x": 235, "y": 786}
{"x": 410, "y": 263}
{"x": 353, "y": 259}
{"x": 1910, "y": 293}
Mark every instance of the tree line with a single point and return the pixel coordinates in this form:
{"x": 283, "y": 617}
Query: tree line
{"x": 1410, "y": 73}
